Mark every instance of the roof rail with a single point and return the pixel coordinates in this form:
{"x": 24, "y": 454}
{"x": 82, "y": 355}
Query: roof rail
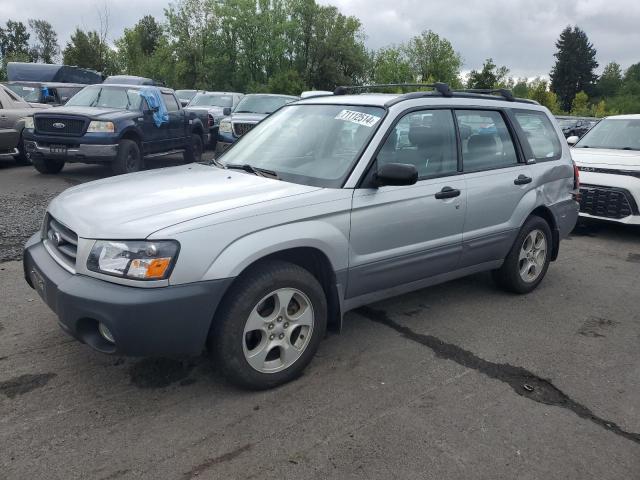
{"x": 442, "y": 88}
{"x": 506, "y": 94}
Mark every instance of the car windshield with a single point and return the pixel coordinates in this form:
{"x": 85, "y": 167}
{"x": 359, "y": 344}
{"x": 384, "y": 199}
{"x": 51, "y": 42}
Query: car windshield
{"x": 185, "y": 94}
{"x": 613, "y": 133}
{"x": 261, "y": 103}
{"x": 209, "y": 100}
{"x": 107, "y": 97}
{"x": 308, "y": 144}
{"x": 28, "y": 93}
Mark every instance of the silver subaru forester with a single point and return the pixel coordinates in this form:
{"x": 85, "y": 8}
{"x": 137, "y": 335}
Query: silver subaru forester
{"x": 329, "y": 204}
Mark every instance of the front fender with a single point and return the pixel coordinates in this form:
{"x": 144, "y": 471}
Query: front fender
{"x": 326, "y": 237}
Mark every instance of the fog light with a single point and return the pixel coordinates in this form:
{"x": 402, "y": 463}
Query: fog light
{"x": 106, "y": 333}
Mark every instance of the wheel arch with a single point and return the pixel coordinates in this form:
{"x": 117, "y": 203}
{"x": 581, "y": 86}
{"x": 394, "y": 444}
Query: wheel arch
{"x": 133, "y": 134}
{"x": 547, "y": 215}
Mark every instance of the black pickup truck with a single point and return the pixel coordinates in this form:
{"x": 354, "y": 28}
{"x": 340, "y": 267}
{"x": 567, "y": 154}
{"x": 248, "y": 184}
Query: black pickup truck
{"x": 123, "y": 125}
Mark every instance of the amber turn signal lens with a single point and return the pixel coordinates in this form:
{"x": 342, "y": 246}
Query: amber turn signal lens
{"x": 157, "y": 268}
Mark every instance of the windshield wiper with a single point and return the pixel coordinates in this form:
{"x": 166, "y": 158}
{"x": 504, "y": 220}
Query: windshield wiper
{"x": 629, "y": 148}
{"x": 243, "y": 111}
{"x": 260, "y": 172}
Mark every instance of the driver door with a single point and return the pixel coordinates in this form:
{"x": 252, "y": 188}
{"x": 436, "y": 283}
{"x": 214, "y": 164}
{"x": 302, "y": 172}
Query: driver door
{"x": 405, "y": 234}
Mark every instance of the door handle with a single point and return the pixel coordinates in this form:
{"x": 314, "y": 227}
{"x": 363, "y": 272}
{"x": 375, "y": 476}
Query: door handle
{"x": 447, "y": 192}
{"x": 522, "y": 180}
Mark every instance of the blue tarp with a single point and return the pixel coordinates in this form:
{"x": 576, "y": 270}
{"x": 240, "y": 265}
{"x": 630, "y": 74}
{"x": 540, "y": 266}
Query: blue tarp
{"x": 155, "y": 102}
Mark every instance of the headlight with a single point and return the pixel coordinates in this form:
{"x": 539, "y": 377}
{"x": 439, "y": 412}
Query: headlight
{"x": 101, "y": 127}
{"x": 138, "y": 260}
{"x": 225, "y": 126}
{"x": 28, "y": 123}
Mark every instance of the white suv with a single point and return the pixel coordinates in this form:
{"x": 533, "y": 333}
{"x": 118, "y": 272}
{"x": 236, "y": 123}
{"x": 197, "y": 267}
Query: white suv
{"x": 608, "y": 157}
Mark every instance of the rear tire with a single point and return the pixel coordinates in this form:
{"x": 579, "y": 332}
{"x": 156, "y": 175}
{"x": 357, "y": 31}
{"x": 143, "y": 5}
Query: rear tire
{"x": 194, "y": 150}
{"x": 526, "y": 264}
{"x": 48, "y": 166}
{"x": 257, "y": 340}
{"x": 129, "y": 158}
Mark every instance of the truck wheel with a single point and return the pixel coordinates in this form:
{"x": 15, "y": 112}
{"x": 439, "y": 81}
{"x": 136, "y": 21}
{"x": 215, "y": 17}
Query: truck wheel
{"x": 528, "y": 261}
{"x": 129, "y": 159}
{"x": 22, "y": 158}
{"x": 48, "y": 166}
{"x": 269, "y": 326}
{"x": 193, "y": 153}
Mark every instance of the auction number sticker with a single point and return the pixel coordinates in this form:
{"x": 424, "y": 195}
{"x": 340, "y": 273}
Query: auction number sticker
{"x": 358, "y": 117}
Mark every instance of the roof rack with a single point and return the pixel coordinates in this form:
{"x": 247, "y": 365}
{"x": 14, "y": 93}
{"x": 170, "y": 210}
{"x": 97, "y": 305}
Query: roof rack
{"x": 506, "y": 94}
{"x": 442, "y": 88}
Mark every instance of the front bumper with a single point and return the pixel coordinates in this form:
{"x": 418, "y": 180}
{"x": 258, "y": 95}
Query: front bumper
{"x": 610, "y": 197}
{"x": 73, "y": 152}
{"x": 168, "y": 321}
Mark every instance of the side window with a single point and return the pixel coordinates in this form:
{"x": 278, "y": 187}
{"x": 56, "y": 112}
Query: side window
{"x": 540, "y": 134}
{"x": 486, "y": 141}
{"x": 426, "y": 139}
{"x": 170, "y": 102}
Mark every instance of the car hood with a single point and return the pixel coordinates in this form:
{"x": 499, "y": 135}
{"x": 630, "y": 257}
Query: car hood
{"x": 92, "y": 112}
{"x": 248, "y": 117}
{"x": 600, "y": 156}
{"x": 215, "y": 111}
{"x": 136, "y": 205}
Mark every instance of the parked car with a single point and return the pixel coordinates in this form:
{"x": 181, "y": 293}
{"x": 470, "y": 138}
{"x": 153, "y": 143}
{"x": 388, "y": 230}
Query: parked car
{"x": 13, "y": 110}
{"x": 46, "y": 72}
{"x": 9, "y": 138}
{"x": 576, "y": 126}
{"x": 49, "y": 93}
{"x": 251, "y": 110}
{"x": 114, "y": 124}
{"x": 211, "y": 107}
{"x": 608, "y": 158}
{"x": 316, "y": 211}
{"x": 185, "y": 96}
{"x": 132, "y": 80}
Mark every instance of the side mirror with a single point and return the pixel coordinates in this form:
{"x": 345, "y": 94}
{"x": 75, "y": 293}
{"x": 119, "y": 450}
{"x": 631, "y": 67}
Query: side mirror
{"x": 226, "y": 111}
{"x": 184, "y": 103}
{"x": 573, "y": 139}
{"x": 396, "y": 174}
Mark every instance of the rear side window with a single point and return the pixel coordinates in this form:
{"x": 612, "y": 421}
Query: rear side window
{"x": 170, "y": 102}
{"x": 426, "y": 139}
{"x": 486, "y": 141}
{"x": 540, "y": 135}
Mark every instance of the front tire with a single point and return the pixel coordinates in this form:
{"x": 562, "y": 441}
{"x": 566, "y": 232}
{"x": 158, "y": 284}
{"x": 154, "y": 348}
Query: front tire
{"x": 22, "y": 158}
{"x": 129, "y": 158}
{"x": 194, "y": 150}
{"x": 48, "y": 166}
{"x": 269, "y": 326}
{"x": 529, "y": 258}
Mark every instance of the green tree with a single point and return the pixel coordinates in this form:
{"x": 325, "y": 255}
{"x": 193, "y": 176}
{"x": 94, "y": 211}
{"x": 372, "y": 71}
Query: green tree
{"x": 137, "y": 48}
{"x": 46, "y": 48}
{"x": 433, "y": 58}
{"x": 539, "y": 91}
{"x": 574, "y": 70}
{"x": 610, "y": 82}
{"x": 580, "y": 105}
{"x": 14, "y": 45}
{"x": 390, "y": 65}
{"x": 521, "y": 88}
{"x": 491, "y": 76}
{"x": 88, "y": 50}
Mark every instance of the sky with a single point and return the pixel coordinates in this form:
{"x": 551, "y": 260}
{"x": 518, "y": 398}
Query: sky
{"x": 517, "y": 33}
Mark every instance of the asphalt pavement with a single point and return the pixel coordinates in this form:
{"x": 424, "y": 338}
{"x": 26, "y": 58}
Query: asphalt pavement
{"x": 456, "y": 381}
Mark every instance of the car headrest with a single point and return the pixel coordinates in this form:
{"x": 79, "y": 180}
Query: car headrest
{"x": 481, "y": 143}
{"x": 422, "y": 136}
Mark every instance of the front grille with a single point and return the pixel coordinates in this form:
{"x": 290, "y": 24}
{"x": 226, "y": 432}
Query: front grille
{"x": 611, "y": 171}
{"x": 62, "y": 240}
{"x": 60, "y": 126}
{"x": 607, "y": 202}
{"x": 240, "y": 129}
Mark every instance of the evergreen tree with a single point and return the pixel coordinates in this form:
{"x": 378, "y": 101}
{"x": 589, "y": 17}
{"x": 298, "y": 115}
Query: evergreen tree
{"x": 575, "y": 64}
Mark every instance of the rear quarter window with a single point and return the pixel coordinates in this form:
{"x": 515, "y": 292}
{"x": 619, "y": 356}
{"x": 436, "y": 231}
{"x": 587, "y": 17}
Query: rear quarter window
{"x": 539, "y": 134}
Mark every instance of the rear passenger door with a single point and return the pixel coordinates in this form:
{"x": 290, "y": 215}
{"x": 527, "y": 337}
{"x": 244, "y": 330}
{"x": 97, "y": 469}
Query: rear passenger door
{"x": 404, "y": 234}
{"x": 176, "y": 129}
{"x": 496, "y": 179}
